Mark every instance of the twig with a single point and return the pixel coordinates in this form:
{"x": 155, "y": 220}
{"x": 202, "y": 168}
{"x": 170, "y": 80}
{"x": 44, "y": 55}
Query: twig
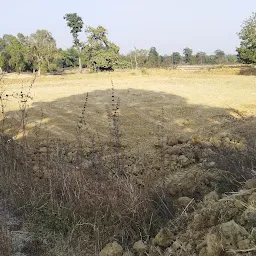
{"x": 187, "y": 206}
{"x": 245, "y": 250}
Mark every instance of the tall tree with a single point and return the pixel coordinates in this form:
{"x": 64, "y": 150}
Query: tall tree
{"x": 219, "y": 56}
{"x": 176, "y": 58}
{"x": 76, "y": 25}
{"x": 247, "y": 49}
{"x": 200, "y": 58}
{"x": 16, "y": 51}
{"x": 42, "y": 47}
{"x": 188, "y": 55}
{"x": 101, "y": 54}
{"x": 4, "y": 57}
{"x": 24, "y": 41}
{"x": 12, "y": 54}
{"x": 153, "y": 58}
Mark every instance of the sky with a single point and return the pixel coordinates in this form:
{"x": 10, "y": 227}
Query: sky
{"x": 168, "y": 25}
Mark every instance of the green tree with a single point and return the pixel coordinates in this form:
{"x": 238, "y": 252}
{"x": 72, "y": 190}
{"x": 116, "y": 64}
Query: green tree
{"x": 124, "y": 61}
{"x": 28, "y": 61}
{"x": 100, "y": 53}
{"x": 141, "y": 57}
{"x": 16, "y": 51}
{"x": 76, "y": 25}
{"x": 12, "y": 54}
{"x": 188, "y": 55}
{"x": 167, "y": 61}
{"x": 220, "y": 56}
{"x": 153, "y": 58}
{"x": 160, "y": 60}
{"x": 210, "y": 59}
{"x": 22, "y": 39}
{"x": 68, "y": 58}
{"x": 42, "y": 49}
{"x": 200, "y": 58}
{"x": 3, "y": 54}
{"x": 176, "y": 58}
{"x": 231, "y": 58}
{"x": 247, "y": 49}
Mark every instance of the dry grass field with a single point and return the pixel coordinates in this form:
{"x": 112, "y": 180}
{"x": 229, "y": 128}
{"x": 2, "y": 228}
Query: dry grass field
{"x": 188, "y": 103}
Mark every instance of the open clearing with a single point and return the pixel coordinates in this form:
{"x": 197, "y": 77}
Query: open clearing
{"x": 187, "y": 103}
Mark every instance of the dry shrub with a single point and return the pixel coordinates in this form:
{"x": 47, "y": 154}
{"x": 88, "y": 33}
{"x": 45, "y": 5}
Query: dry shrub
{"x": 87, "y": 203}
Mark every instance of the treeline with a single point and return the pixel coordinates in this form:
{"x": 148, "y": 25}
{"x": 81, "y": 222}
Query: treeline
{"x": 152, "y": 59}
{"x": 38, "y": 51}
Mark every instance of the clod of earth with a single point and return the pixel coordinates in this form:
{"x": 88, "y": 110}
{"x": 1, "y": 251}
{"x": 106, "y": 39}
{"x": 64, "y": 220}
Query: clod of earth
{"x": 164, "y": 238}
{"x": 112, "y": 249}
{"x": 140, "y": 248}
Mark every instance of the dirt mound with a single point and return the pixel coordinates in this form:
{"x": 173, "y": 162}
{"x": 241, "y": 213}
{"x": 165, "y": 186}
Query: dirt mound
{"x": 224, "y": 226}
{"x": 220, "y": 225}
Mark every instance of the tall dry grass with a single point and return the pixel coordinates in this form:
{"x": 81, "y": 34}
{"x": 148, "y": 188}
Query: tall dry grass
{"x": 82, "y": 192}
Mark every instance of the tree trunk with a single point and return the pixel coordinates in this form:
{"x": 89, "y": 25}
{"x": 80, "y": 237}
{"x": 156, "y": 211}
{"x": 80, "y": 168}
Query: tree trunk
{"x": 135, "y": 58}
{"x": 131, "y": 60}
{"x": 79, "y": 59}
{"x": 39, "y": 71}
{"x": 80, "y": 63}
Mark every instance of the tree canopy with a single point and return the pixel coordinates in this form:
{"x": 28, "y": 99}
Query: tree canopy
{"x": 220, "y": 56}
{"x": 176, "y": 58}
{"x": 76, "y": 24}
{"x": 153, "y": 58}
{"x": 247, "y": 49}
{"x": 101, "y": 54}
{"x": 42, "y": 49}
{"x": 188, "y": 55}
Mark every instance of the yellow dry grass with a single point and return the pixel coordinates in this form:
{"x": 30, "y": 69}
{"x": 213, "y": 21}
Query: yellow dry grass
{"x": 197, "y": 103}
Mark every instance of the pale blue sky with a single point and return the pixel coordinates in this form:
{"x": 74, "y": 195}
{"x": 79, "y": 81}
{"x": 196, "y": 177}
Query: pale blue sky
{"x": 169, "y": 25}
